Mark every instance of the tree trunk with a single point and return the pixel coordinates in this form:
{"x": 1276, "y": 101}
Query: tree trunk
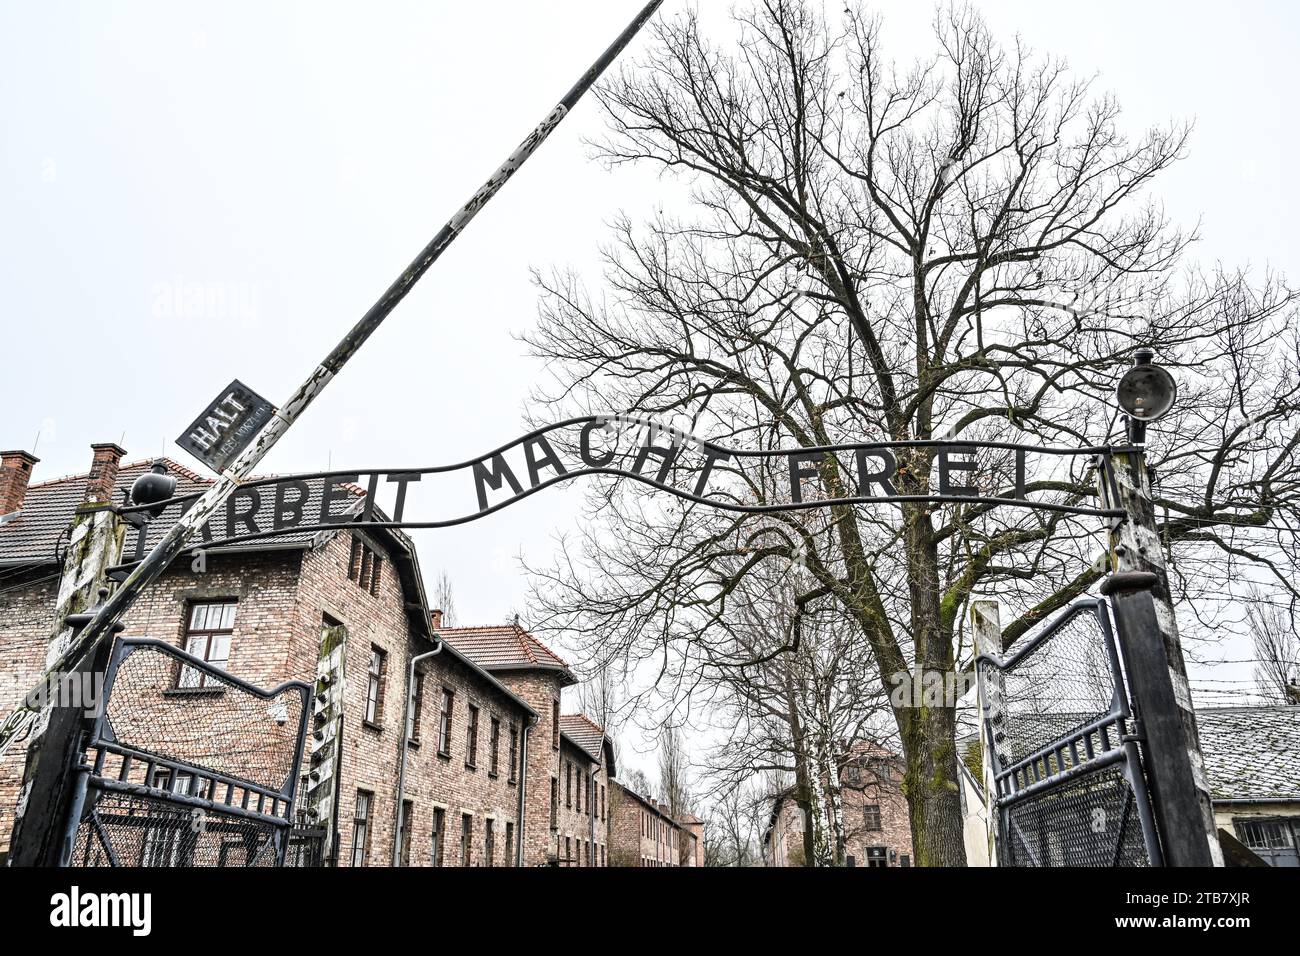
{"x": 930, "y": 784}
{"x": 928, "y": 725}
{"x": 822, "y": 853}
{"x": 836, "y": 810}
{"x": 802, "y": 789}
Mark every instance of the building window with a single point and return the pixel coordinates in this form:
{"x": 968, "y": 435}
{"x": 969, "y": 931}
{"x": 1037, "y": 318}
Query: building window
{"x": 364, "y": 566}
{"x": 165, "y": 845}
{"x": 510, "y": 843}
{"x": 602, "y": 855}
{"x": 404, "y": 837}
{"x": 871, "y": 816}
{"x": 439, "y": 834}
{"x": 514, "y": 748}
{"x": 904, "y": 860}
{"x": 489, "y": 841}
{"x": 417, "y": 705}
{"x": 568, "y": 785}
{"x": 568, "y": 851}
{"x": 555, "y": 801}
{"x": 471, "y": 738}
{"x": 586, "y": 844}
{"x": 466, "y": 837}
{"x": 876, "y": 857}
{"x": 555, "y": 725}
{"x": 375, "y": 685}
{"x": 361, "y": 827}
{"x": 579, "y": 786}
{"x": 354, "y": 559}
{"x": 602, "y": 802}
{"x": 444, "y": 723}
{"x": 207, "y": 637}
{"x": 1264, "y": 834}
{"x": 494, "y": 745}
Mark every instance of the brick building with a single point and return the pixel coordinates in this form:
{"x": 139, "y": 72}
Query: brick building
{"x": 692, "y": 840}
{"x": 495, "y": 775}
{"x": 588, "y": 754}
{"x": 259, "y": 611}
{"x": 642, "y": 832}
{"x": 877, "y": 829}
{"x": 569, "y": 760}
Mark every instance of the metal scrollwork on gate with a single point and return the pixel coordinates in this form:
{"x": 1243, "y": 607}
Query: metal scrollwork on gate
{"x": 187, "y": 765}
{"x": 1060, "y": 734}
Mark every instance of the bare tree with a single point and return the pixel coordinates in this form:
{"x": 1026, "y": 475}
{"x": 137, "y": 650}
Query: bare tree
{"x": 797, "y": 690}
{"x": 444, "y": 599}
{"x": 964, "y": 249}
{"x": 673, "y": 787}
{"x": 1277, "y": 649}
{"x": 732, "y": 829}
{"x": 599, "y": 699}
{"x": 636, "y": 781}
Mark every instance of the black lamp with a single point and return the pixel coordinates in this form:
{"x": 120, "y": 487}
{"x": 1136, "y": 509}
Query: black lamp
{"x": 153, "y": 487}
{"x": 1145, "y": 393}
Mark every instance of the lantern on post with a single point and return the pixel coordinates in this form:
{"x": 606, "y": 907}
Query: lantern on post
{"x": 1145, "y": 393}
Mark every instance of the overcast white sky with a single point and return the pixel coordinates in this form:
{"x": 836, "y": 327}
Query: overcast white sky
{"x": 293, "y": 157}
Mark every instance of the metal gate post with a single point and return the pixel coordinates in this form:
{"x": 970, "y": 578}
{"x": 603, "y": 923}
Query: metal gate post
{"x": 54, "y": 794}
{"x": 1125, "y": 483}
{"x": 1167, "y": 749}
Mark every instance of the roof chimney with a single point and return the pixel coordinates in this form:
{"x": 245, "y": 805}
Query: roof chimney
{"x": 436, "y": 617}
{"x": 103, "y": 473}
{"x": 15, "y": 473}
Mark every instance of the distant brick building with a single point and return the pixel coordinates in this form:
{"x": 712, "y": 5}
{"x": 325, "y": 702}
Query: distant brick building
{"x": 692, "y": 840}
{"x": 642, "y": 832}
{"x": 877, "y": 829}
{"x": 495, "y": 775}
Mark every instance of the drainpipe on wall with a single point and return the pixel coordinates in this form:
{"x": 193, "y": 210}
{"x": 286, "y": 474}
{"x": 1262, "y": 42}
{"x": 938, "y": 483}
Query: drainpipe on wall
{"x": 405, "y": 744}
{"x": 523, "y": 790}
{"x": 591, "y": 810}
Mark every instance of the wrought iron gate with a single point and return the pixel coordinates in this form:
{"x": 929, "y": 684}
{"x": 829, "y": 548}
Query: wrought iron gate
{"x": 1069, "y": 789}
{"x": 187, "y": 765}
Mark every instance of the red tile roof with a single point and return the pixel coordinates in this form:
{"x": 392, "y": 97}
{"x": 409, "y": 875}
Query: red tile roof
{"x": 48, "y": 509}
{"x": 506, "y": 647}
{"x": 586, "y": 734}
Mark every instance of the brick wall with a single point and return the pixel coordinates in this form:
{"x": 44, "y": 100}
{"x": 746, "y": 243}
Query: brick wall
{"x": 444, "y": 781}
{"x": 581, "y": 836}
{"x": 640, "y": 834}
{"x": 541, "y": 690}
{"x": 881, "y": 787}
{"x": 283, "y": 599}
{"x": 875, "y": 817}
{"x": 692, "y": 839}
{"x": 26, "y": 619}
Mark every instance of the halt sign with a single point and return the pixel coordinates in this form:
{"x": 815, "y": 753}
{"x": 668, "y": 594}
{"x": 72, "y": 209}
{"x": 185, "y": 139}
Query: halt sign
{"x": 226, "y": 426}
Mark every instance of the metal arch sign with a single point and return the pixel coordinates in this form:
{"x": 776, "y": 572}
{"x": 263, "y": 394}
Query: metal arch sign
{"x": 989, "y": 474}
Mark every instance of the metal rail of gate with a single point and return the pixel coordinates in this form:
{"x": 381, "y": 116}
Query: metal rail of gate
{"x": 1069, "y": 788}
{"x": 187, "y": 765}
